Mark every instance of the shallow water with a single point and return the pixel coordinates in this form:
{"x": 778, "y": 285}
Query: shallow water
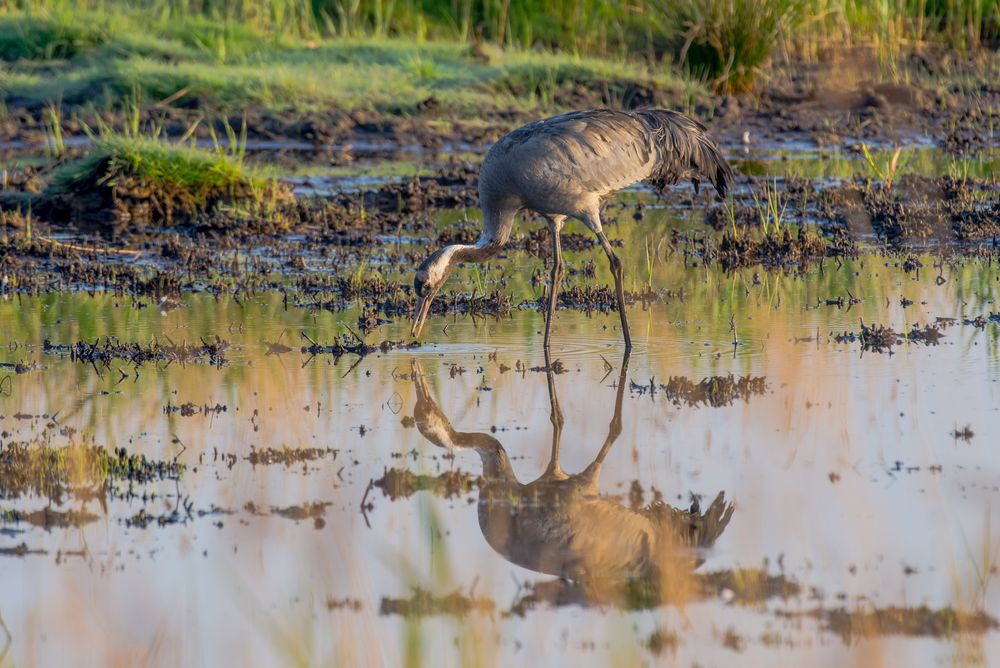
{"x": 846, "y": 472}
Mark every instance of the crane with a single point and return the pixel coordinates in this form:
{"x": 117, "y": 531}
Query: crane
{"x": 562, "y": 167}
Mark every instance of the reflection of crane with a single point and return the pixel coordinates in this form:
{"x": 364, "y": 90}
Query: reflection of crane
{"x": 560, "y": 524}
{"x": 561, "y": 167}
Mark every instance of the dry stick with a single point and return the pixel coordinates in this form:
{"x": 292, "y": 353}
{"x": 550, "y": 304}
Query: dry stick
{"x": 165, "y": 102}
{"x": 355, "y": 334}
{"x": 89, "y": 249}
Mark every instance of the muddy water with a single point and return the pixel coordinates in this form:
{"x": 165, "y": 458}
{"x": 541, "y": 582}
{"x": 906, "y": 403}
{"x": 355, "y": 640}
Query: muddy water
{"x": 855, "y": 482}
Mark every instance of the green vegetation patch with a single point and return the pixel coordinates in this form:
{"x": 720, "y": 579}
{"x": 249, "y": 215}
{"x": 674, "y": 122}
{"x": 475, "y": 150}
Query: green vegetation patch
{"x": 50, "y": 35}
{"x": 140, "y": 180}
{"x": 727, "y": 42}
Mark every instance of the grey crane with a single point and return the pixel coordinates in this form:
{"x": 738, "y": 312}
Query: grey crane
{"x": 560, "y": 524}
{"x": 562, "y": 167}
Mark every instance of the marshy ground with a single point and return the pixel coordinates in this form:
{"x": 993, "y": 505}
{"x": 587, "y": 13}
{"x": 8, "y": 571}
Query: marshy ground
{"x": 217, "y": 439}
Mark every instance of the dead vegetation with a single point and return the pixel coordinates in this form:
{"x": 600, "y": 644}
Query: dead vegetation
{"x": 138, "y": 354}
{"x": 907, "y": 621}
{"x": 423, "y": 603}
{"x": 882, "y": 339}
{"x": 714, "y": 391}
{"x": 397, "y": 483}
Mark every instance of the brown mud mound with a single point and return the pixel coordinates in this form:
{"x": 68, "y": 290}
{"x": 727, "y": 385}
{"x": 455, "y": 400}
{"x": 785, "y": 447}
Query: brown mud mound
{"x": 977, "y": 224}
{"x": 453, "y": 185}
{"x": 841, "y": 95}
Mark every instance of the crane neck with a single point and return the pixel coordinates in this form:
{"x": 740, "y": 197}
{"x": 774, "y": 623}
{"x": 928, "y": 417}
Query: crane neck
{"x": 496, "y": 463}
{"x": 481, "y": 251}
{"x": 497, "y": 225}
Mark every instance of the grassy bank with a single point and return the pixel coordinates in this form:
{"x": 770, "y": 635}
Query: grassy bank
{"x": 721, "y": 42}
{"x": 95, "y": 60}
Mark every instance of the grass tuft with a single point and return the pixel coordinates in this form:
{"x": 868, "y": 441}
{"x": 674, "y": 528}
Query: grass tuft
{"x": 157, "y": 180}
{"x": 50, "y": 35}
{"x": 725, "y": 42}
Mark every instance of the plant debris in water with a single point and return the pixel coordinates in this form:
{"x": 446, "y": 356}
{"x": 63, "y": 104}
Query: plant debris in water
{"x": 137, "y": 353}
{"x": 288, "y": 456}
{"x": 747, "y": 587}
{"x": 188, "y": 409}
{"x": 79, "y": 470}
{"x": 353, "y": 345}
{"x": 423, "y": 603}
{"x": 397, "y": 483}
{"x": 881, "y": 339}
{"x": 314, "y": 511}
{"x": 714, "y": 391}
{"x": 916, "y": 621}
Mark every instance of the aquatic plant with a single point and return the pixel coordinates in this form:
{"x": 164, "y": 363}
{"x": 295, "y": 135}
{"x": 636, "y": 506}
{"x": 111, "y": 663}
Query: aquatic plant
{"x": 770, "y": 207}
{"x": 885, "y": 170}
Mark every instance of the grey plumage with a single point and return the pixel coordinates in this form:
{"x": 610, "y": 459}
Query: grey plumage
{"x": 563, "y": 167}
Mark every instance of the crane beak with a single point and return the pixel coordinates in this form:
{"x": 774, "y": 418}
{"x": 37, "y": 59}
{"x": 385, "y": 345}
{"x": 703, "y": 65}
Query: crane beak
{"x": 420, "y": 314}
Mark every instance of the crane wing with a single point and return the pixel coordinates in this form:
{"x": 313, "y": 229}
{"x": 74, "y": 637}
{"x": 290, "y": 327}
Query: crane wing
{"x": 602, "y": 151}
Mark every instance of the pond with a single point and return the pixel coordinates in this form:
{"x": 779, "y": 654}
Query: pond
{"x": 769, "y": 477}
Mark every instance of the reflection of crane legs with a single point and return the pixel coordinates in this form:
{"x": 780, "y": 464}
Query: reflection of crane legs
{"x": 554, "y": 469}
{"x": 615, "y": 427}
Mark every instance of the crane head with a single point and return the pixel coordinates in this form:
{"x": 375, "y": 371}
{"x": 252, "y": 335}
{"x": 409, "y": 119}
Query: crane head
{"x": 425, "y": 295}
{"x": 430, "y": 276}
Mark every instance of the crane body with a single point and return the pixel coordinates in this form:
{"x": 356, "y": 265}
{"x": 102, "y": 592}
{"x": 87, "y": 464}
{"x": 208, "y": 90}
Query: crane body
{"x": 563, "y": 167}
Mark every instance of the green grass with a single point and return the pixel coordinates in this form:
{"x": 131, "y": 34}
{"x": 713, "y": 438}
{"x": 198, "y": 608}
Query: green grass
{"x": 886, "y": 169}
{"x": 727, "y": 41}
{"x": 178, "y": 176}
{"x": 469, "y": 55}
{"x": 389, "y": 75}
{"x": 57, "y": 34}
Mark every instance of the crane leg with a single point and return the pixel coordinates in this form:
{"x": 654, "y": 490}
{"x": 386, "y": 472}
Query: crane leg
{"x": 619, "y": 274}
{"x": 555, "y": 278}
